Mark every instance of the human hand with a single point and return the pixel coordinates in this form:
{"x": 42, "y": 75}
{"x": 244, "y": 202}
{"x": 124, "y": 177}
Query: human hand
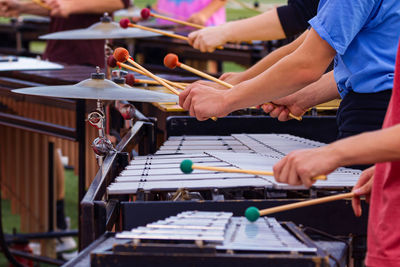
{"x": 9, "y": 8}
{"x": 203, "y": 101}
{"x": 301, "y": 166}
{"x": 60, "y": 8}
{"x": 282, "y": 107}
{"x": 208, "y": 39}
{"x": 233, "y": 78}
{"x": 198, "y": 18}
{"x": 363, "y": 187}
{"x": 212, "y": 84}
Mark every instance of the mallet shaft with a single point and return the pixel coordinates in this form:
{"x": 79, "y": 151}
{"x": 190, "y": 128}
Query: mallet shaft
{"x": 305, "y": 203}
{"x": 126, "y": 66}
{"x": 173, "y": 35}
{"x": 197, "y": 26}
{"x": 232, "y": 170}
{"x": 159, "y": 31}
{"x": 151, "y": 75}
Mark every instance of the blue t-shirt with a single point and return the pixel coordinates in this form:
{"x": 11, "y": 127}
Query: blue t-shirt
{"x": 365, "y": 34}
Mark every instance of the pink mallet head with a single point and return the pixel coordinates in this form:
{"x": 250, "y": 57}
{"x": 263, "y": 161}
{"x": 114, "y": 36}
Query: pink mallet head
{"x": 145, "y": 13}
{"x": 124, "y": 23}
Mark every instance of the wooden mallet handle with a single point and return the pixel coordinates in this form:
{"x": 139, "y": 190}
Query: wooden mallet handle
{"x": 306, "y": 203}
{"x": 146, "y": 13}
{"x": 233, "y": 170}
{"x": 122, "y": 55}
{"x": 171, "y": 61}
{"x": 252, "y": 213}
{"x": 187, "y": 166}
{"x": 124, "y": 23}
{"x": 112, "y": 62}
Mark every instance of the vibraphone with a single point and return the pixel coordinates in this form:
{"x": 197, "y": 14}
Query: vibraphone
{"x": 199, "y": 238}
{"x": 152, "y": 187}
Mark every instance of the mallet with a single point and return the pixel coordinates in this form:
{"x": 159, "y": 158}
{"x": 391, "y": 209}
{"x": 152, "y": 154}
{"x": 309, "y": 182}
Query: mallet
{"x": 122, "y": 55}
{"x": 112, "y": 63}
{"x": 252, "y": 213}
{"x": 146, "y": 13}
{"x": 125, "y": 23}
{"x": 172, "y": 61}
{"x": 187, "y": 167}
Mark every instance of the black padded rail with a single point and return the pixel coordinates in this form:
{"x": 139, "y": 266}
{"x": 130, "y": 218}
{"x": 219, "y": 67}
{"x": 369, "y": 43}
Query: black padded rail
{"x": 322, "y": 129}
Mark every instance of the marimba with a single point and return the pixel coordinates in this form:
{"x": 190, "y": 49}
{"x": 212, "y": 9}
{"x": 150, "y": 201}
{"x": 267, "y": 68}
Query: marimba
{"x": 199, "y": 238}
{"x": 27, "y": 125}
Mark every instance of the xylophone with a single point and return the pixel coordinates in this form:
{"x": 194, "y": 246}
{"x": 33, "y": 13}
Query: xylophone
{"x": 161, "y": 173}
{"x": 152, "y": 187}
{"x": 199, "y": 238}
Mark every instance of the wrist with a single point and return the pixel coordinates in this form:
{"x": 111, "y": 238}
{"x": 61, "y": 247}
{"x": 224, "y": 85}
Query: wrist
{"x": 335, "y": 153}
{"x": 226, "y": 31}
{"x": 232, "y": 98}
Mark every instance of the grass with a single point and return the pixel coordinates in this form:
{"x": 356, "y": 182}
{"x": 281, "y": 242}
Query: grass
{"x": 12, "y": 221}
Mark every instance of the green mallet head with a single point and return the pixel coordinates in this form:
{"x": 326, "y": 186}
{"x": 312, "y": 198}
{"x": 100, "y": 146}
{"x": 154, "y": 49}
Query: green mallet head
{"x": 252, "y": 214}
{"x": 186, "y": 166}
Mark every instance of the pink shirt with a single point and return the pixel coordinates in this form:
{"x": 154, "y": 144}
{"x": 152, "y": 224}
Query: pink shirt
{"x": 384, "y": 211}
{"x": 183, "y": 9}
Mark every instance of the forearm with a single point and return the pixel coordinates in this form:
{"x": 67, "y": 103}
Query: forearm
{"x": 321, "y": 91}
{"x": 292, "y": 73}
{"x": 265, "y": 26}
{"x": 213, "y": 7}
{"x": 367, "y": 148}
{"x": 33, "y": 9}
{"x": 272, "y": 58}
{"x": 95, "y": 7}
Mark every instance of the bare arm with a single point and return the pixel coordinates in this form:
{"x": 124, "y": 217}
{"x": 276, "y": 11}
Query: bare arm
{"x": 292, "y": 73}
{"x": 265, "y": 63}
{"x": 302, "y": 67}
{"x": 65, "y": 8}
{"x": 203, "y": 15}
{"x": 265, "y": 26}
{"x": 14, "y": 8}
{"x": 319, "y": 92}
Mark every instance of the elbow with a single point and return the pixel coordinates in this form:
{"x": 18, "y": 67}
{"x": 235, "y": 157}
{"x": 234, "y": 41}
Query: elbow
{"x": 306, "y": 76}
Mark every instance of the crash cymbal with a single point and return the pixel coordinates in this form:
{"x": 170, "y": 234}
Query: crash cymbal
{"x": 98, "y": 88}
{"x": 11, "y": 63}
{"x": 105, "y": 29}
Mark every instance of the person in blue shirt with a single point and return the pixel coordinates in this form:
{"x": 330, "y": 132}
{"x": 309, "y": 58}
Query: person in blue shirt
{"x": 360, "y": 35}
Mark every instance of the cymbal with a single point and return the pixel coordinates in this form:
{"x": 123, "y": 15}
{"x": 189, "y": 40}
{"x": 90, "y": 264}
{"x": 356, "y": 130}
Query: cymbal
{"x": 11, "y": 63}
{"x": 129, "y": 12}
{"x": 98, "y": 88}
{"x": 101, "y": 30}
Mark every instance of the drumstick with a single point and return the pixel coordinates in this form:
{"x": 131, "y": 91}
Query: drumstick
{"x": 171, "y": 61}
{"x": 252, "y": 213}
{"x": 187, "y": 166}
{"x": 146, "y": 13}
{"x": 125, "y": 23}
{"x": 40, "y": 3}
{"x": 112, "y": 63}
